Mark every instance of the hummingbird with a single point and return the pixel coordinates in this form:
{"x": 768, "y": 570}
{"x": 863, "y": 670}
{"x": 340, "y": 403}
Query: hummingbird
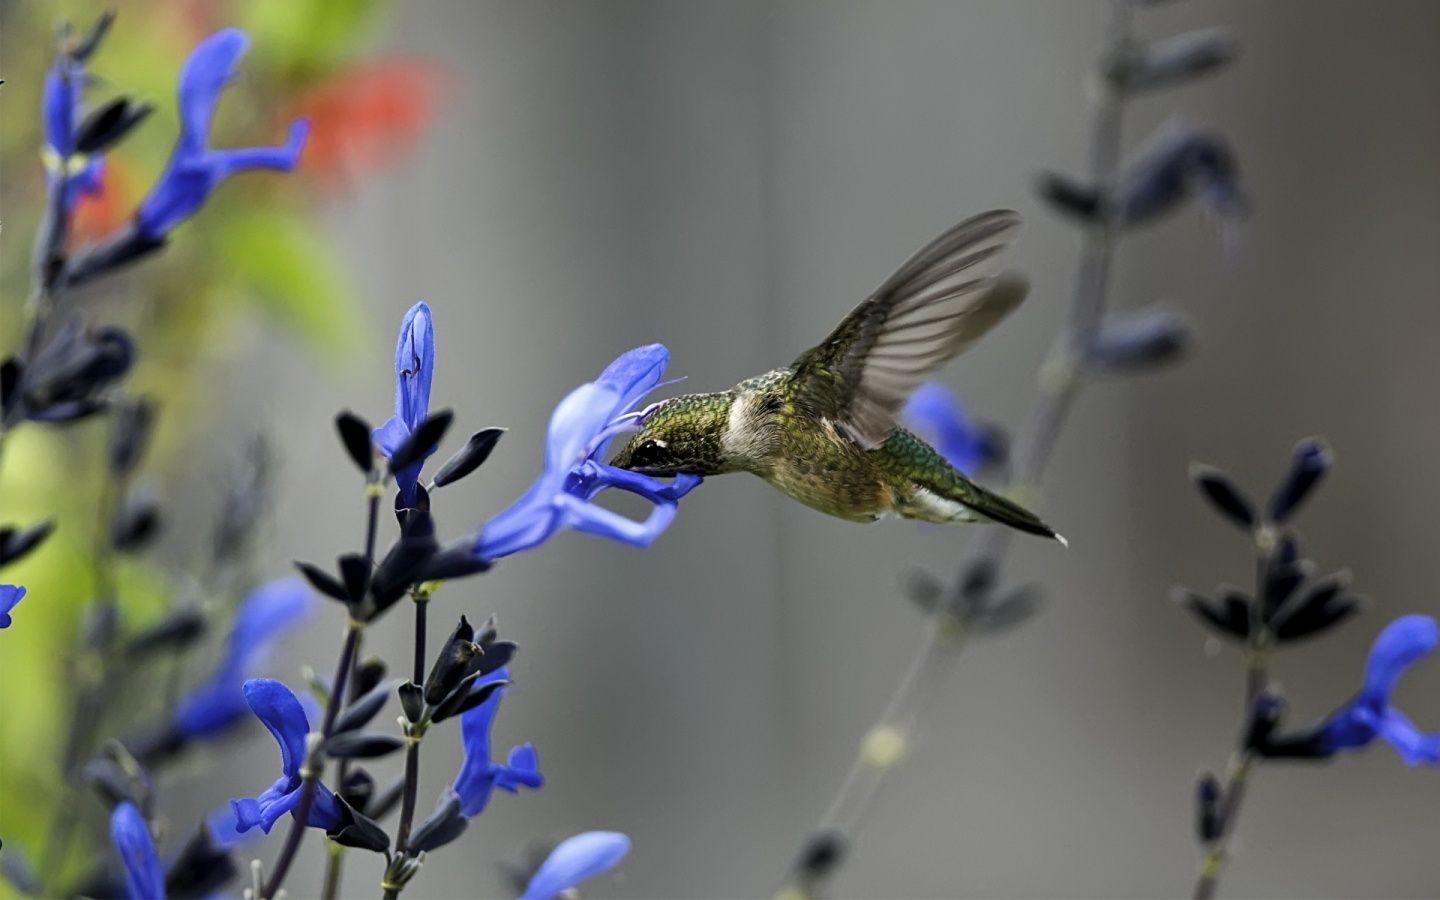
{"x": 824, "y": 429}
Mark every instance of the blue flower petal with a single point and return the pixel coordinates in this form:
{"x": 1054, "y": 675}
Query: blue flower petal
{"x": 10, "y": 595}
{"x": 1398, "y": 646}
{"x": 194, "y": 171}
{"x": 1413, "y": 745}
{"x": 260, "y": 620}
{"x": 521, "y": 769}
{"x": 144, "y": 877}
{"x": 574, "y": 860}
{"x": 205, "y": 73}
{"x": 936, "y": 415}
{"x": 279, "y": 709}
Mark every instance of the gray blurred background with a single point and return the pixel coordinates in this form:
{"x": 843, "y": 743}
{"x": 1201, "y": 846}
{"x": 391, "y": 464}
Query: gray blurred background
{"x": 730, "y": 179}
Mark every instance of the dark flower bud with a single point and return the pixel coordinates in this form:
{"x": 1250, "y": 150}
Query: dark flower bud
{"x": 412, "y": 700}
{"x": 109, "y": 124}
{"x": 467, "y": 696}
{"x": 177, "y": 630}
{"x": 361, "y": 745}
{"x": 1229, "y": 617}
{"x": 1172, "y": 61}
{"x": 357, "y": 788}
{"x": 1130, "y": 342}
{"x": 1069, "y": 197}
{"x": 1308, "y": 744}
{"x": 1265, "y": 715}
{"x": 364, "y": 708}
{"x": 201, "y": 869}
{"x": 127, "y": 245}
{"x": 1177, "y": 163}
{"x": 129, "y": 434}
{"x": 354, "y": 574}
{"x": 402, "y": 565}
{"x": 423, "y": 441}
{"x": 15, "y": 543}
{"x": 323, "y": 581}
{"x": 444, "y": 825}
{"x": 85, "y": 47}
{"x": 1281, "y": 580}
{"x": 924, "y": 589}
{"x": 368, "y": 675}
{"x": 1308, "y": 464}
{"x": 355, "y": 436}
{"x": 1208, "y": 816}
{"x": 1011, "y": 609}
{"x": 358, "y": 831}
{"x": 823, "y": 852}
{"x": 136, "y": 523}
{"x": 1325, "y": 605}
{"x": 65, "y": 380}
{"x": 419, "y": 499}
{"x": 453, "y": 663}
{"x": 1222, "y": 493}
{"x": 470, "y": 457}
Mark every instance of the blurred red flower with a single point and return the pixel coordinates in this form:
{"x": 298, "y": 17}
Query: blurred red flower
{"x": 366, "y": 116}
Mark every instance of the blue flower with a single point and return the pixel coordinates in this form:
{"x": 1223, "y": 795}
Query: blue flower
{"x": 10, "y": 594}
{"x": 1368, "y": 714}
{"x": 277, "y": 706}
{"x": 195, "y": 170}
{"x": 581, "y": 429}
{"x": 936, "y": 415}
{"x": 414, "y": 370}
{"x": 60, "y": 115}
{"x": 144, "y": 876}
{"x": 267, "y": 613}
{"x": 575, "y": 859}
{"x": 478, "y": 775}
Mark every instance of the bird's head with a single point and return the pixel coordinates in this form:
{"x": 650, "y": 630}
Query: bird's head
{"x": 681, "y": 435}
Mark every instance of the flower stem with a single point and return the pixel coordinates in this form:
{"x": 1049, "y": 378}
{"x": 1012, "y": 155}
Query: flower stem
{"x": 335, "y": 857}
{"x": 1242, "y": 759}
{"x": 885, "y": 743}
{"x": 301, "y": 815}
{"x": 421, "y": 600}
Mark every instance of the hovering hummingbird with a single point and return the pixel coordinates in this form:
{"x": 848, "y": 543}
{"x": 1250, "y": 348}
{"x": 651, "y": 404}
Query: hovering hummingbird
{"x": 823, "y": 430}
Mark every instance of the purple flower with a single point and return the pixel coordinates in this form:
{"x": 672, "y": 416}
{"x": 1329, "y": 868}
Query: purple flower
{"x": 10, "y": 595}
{"x": 581, "y": 429}
{"x": 277, "y": 706}
{"x": 60, "y": 114}
{"x": 144, "y": 876}
{"x": 267, "y": 613}
{"x": 195, "y": 170}
{"x": 937, "y": 416}
{"x": 478, "y": 775}
{"x": 574, "y": 860}
{"x": 414, "y": 370}
{"x": 1369, "y": 714}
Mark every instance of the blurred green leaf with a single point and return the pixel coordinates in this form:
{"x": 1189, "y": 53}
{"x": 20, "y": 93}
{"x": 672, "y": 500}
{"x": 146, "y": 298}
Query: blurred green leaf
{"x": 310, "y": 34}
{"x": 291, "y": 272}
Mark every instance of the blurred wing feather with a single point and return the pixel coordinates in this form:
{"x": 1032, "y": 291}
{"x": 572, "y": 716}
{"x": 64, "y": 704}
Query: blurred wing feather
{"x": 940, "y": 302}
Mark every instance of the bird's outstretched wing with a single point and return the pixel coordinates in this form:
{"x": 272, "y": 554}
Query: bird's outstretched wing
{"x": 940, "y": 302}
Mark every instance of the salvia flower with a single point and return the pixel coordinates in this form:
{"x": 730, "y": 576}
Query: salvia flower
{"x": 10, "y": 595}
{"x": 478, "y": 774}
{"x": 574, "y": 860}
{"x": 277, "y": 706}
{"x": 1369, "y": 714}
{"x": 937, "y": 416}
{"x": 414, "y": 370}
{"x": 194, "y": 169}
{"x": 581, "y": 429}
{"x": 144, "y": 876}
{"x": 65, "y": 169}
{"x": 260, "y": 620}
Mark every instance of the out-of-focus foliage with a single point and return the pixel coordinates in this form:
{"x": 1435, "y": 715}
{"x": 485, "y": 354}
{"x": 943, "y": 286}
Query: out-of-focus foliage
{"x": 258, "y": 253}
